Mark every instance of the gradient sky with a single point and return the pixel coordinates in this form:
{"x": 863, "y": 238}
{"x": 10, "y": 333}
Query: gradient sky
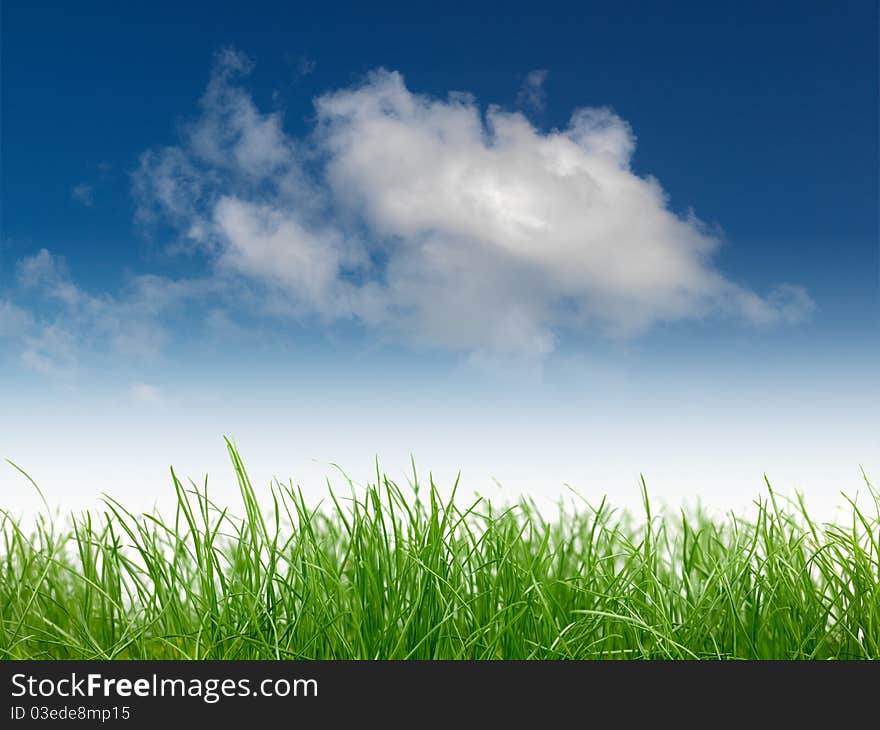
{"x": 548, "y": 247}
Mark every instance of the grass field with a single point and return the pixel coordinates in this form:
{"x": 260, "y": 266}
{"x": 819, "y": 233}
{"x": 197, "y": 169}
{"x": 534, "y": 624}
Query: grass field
{"x": 397, "y": 574}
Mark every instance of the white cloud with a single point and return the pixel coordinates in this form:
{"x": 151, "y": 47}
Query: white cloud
{"x": 275, "y": 247}
{"x": 230, "y": 149}
{"x": 232, "y": 133}
{"x": 58, "y": 322}
{"x": 531, "y": 93}
{"x": 437, "y": 223}
{"x": 84, "y": 194}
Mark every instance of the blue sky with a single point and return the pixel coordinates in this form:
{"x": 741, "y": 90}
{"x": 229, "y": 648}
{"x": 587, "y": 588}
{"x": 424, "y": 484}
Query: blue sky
{"x": 645, "y": 234}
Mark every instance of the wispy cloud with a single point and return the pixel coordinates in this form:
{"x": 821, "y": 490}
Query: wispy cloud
{"x": 532, "y": 94}
{"x": 54, "y": 323}
{"x": 84, "y": 194}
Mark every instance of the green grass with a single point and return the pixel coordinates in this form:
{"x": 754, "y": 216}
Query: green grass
{"x": 396, "y": 573}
